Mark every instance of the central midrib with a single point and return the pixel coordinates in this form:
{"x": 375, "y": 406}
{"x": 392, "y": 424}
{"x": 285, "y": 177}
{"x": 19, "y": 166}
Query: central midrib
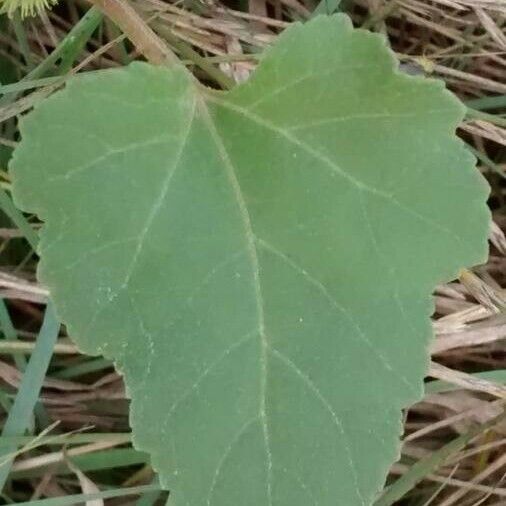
{"x": 253, "y": 254}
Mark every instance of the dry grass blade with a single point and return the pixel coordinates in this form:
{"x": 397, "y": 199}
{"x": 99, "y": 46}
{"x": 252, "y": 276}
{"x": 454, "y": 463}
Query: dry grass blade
{"x": 466, "y": 380}
{"x": 492, "y": 468}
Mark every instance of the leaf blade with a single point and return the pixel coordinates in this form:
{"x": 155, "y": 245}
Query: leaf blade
{"x": 248, "y": 284}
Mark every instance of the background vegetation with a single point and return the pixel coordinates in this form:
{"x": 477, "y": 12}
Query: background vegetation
{"x": 64, "y": 416}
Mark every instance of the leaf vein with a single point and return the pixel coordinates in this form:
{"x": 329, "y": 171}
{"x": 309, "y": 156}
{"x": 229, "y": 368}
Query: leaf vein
{"x": 105, "y": 156}
{"x": 221, "y": 462}
{"x": 343, "y": 310}
{"x": 328, "y": 407}
{"x": 195, "y": 385}
{"x": 328, "y": 162}
{"x": 307, "y": 77}
{"x": 149, "y": 221}
{"x": 250, "y": 239}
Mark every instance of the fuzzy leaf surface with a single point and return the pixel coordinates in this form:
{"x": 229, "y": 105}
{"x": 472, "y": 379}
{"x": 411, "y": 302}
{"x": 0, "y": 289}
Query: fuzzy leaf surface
{"x": 259, "y": 263}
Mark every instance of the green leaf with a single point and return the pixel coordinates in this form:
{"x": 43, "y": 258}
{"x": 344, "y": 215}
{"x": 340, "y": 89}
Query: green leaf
{"x": 259, "y": 263}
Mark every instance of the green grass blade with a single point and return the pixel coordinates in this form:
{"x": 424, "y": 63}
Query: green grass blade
{"x": 429, "y": 464}
{"x": 18, "y": 218}
{"x": 149, "y": 498}
{"x": 28, "y": 85}
{"x": 80, "y": 498}
{"x": 20, "y": 32}
{"x": 87, "y": 367}
{"x": 68, "y": 439}
{"x": 326, "y": 7}
{"x": 67, "y": 50}
{"x": 487, "y": 102}
{"x": 113, "y": 458}
{"x": 10, "y": 333}
{"x": 485, "y": 160}
{"x": 20, "y": 414}
{"x": 495, "y": 119}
